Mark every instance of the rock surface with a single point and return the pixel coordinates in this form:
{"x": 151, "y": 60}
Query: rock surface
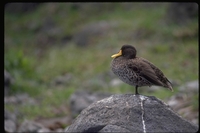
{"x": 130, "y": 113}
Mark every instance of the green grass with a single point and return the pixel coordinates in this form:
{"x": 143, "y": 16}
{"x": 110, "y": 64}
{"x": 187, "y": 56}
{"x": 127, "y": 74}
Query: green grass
{"x": 34, "y": 65}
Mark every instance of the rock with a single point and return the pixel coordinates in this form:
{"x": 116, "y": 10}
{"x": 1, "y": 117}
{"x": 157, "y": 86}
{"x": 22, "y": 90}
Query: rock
{"x": 59, "y": 130}
{"x": 113, "y": 128}
{"x": 20, "y": 7}
{"x": 9, "y": 121}
{"x": 44, "y": 130}
{"x": 84, "y": 36}
{"x": 94, "y": 83}
{"x": 54, "y": 123}
{"x": 115, "y": 82}
{"x": 82, "y": 99}
{"x": 9, "y": 116}
{"x": 30, "y": 126}
{"x": 23, "y": 98}
{"x": 177, "y": 101}
{"x": 183, "y": 104}
{"x": 62, "y": 79}
{"x": 130, "y": 113}
{"x": 100, "y": 81}
{"x": 9, "y": 126}
{"x": 182, "y": 12}
{"x": 192, "y": 86}
{"x": 153, "y": 88}
{"x": 7, "y": 82}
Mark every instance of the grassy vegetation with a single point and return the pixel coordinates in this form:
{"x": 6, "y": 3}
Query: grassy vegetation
{"x": 34, "y": 63}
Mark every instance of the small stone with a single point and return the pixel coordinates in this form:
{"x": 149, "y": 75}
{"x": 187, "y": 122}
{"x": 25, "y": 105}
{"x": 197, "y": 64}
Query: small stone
{"x": 43, "y": 130}
{"x": 9, "y": 116}
{"x": 10, "y": 126}
{"x": 62, "y": 79}
{"x": 115, "y": 82}
{"x": 30, "y": 126}
{"x": 59, "y": 130}
{"x": 8, "y": 80}
{"x": 192, "y": 86}
{"x": 82, "y": 99}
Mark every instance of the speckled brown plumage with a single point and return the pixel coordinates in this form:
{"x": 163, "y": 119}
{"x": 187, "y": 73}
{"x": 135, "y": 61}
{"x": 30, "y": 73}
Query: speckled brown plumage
{"x": 137, "y": 71}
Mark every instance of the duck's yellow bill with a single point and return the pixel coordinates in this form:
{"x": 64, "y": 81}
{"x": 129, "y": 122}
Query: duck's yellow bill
{"x": 118, "y": 54}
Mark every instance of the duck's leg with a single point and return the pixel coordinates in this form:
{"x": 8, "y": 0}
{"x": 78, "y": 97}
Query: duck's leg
{"x": 136, "y": 90}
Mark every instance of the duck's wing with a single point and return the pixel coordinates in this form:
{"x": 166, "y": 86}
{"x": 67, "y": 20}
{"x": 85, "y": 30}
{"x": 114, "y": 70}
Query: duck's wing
{"x": 145, "y": 70}
{"x": 160, "y": 75}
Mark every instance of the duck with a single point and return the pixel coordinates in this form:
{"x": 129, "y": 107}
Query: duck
{"x": 137, "y": 71}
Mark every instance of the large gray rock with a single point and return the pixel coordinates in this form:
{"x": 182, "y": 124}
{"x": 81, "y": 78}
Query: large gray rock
{"x": 130, "y": 113}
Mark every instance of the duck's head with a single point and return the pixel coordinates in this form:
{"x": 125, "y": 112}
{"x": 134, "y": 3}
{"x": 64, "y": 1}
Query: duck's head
{"x": 127, "y": 51}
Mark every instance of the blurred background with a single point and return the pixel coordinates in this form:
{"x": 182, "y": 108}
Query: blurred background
{"x": 57, "y": 57}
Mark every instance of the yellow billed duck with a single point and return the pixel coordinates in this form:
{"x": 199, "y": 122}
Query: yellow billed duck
{"x": 137, "y": 71}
